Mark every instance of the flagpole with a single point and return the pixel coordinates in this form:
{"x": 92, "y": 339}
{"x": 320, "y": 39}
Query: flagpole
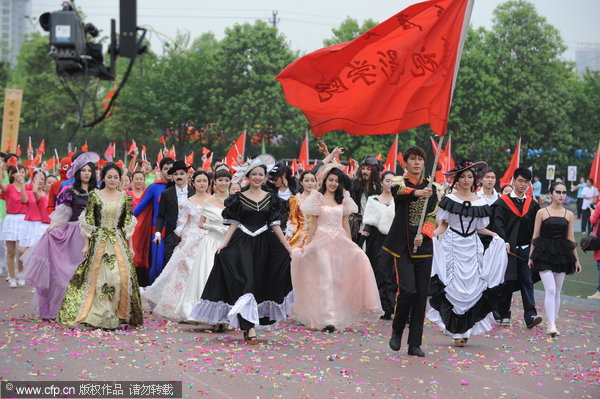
{"x": 424, "y": 212}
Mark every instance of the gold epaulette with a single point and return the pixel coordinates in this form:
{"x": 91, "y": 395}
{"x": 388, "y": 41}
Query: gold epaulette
{"x": 400, "y": 183}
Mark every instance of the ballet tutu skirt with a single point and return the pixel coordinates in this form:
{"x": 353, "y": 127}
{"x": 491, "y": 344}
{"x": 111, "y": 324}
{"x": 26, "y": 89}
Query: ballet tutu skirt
{"x": 553, "y": 251}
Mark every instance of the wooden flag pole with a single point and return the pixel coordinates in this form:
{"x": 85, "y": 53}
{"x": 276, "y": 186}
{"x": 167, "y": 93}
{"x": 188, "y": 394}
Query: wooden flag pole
{"x": 424, "y": 212}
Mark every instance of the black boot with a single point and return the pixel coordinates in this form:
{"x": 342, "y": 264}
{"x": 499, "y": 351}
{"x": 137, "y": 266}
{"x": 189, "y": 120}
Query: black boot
{"x": 415, "y": 351}
{"x": 395, "y": 340}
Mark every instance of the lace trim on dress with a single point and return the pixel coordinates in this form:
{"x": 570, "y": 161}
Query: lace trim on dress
{"x": 253, "y": 233}
{"x": 246, "y": 306}
{"x": 465, "y": 208}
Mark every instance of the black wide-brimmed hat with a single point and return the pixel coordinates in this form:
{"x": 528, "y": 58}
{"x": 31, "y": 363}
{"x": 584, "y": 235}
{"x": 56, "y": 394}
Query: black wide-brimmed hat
{"x": 178, "y": 165}
{"x": 372, "y": 161}
{"x": 476, "y": 167}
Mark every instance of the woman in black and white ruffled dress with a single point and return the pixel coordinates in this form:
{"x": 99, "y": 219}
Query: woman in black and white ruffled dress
{"x": 465, "y": 279}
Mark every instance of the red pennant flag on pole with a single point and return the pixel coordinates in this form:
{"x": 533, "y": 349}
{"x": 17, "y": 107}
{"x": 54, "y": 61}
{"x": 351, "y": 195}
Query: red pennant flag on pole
{"x": 205, "y": 151}
{"x": 132, "y": 147}
{"x": 236, "y": 153}
{"x": 84, "y": 147}
{"x": 163, "y": 141}
{"x": 189, "y": 160}
{"x": 18, "y": 151}
{"x": 50, "y": 164}
{"x": 159, "y": 157}
{"x": 303, "y": 158}
{"x": 10, "y": 145}
{"x": 392, "y": 160}
{"x": 109, "y": 153}
{"x": 207, "y": 163}
{"x": 514, "y": 164}
{"x": 171, "y": 153}
{"x": 396, "y": 76}
{"x": 449, "y": 160}
{"x": 595, "y": 169}
{"x": 42, "y": 147}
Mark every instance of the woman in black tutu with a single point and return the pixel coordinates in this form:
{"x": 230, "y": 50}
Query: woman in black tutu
{"x": 250, "y": 285}
{"x": 553, "y": 251}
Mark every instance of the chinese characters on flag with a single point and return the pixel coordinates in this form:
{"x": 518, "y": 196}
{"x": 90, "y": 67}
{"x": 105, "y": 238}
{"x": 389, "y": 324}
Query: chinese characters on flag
{"x": 394, "y": 77}
{"x": 10, "y": 122}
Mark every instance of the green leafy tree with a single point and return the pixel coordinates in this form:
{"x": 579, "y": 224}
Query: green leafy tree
{"x": 513, "y": 83}
{"x": 245, "y": 95}
{"x": 349, "y": 30}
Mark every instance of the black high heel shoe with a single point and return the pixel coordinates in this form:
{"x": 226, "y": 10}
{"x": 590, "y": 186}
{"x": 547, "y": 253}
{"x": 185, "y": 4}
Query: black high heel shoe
{"x": 329, "y": 328}
{"x": 250, "y": 340}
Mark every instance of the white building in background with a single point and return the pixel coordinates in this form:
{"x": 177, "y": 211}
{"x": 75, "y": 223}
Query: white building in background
{"x": 15, "y": 23}
{"x": 587, "y": 56}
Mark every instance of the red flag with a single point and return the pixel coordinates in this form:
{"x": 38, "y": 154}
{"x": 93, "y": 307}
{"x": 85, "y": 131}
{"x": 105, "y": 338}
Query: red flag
{"x": 42, "y": 147}
{"x": 189, "y": 160}
{"x": 84, "y": 147}
{"x": 351, "y": 167}
{"x": 159, "y": 157}
{"x": 132, "y": 147}
{"x": 109, "y": 153}
{"x": 409, "y": 60}
{"x": 18, "y": 152}
{"x": 401, "y": 159}
{"x": 205, "y": 151}
{"x": 514, "y": 164}
{"x": 378, "y": 157}
{"x": 163, "y": 141}
{"x": 120, "y": 163}
{"x": 171, "y": 153}
{"x": 595, "y": 169}
{"x": 303, "y": 158}
{"x": 12, "y": 161}
{"x": 449, "y": 160}
{"x": 392, "y": 160}
{"x": 235, "y": 155}
{"x": 33, "y": 162}
{"x": 207, "y": 163}
{"x": 10, "y": 144}
{"x": 51, "y": 164}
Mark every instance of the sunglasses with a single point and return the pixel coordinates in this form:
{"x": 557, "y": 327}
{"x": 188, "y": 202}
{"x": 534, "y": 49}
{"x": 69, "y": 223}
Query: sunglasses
{"x": 560, "y": 192}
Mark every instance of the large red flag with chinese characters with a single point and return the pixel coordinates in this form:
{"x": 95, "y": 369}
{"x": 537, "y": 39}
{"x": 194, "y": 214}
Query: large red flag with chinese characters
{"x": 595, "y": 169}
{"x": 396, "y": 76}
{"x": 303, "y": 157}
{"x": 235, "y": 155}
{"x": 392, "y": 158}
{"x": 514, "y": 164}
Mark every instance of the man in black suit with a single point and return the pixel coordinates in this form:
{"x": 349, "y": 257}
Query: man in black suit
{"x": 514, "y": 218}
{"x": 168, "y": 209}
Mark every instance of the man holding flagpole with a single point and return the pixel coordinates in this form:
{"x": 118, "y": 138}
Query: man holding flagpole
{"x": 413, "y": 268}
{"x": 398, "y": 75}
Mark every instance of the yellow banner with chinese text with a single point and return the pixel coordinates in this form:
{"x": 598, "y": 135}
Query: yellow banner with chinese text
{"x": 10, "y": 123}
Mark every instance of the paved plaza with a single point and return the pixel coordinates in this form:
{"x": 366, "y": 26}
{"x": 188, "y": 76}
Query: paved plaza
{"x": 293, "y": 362}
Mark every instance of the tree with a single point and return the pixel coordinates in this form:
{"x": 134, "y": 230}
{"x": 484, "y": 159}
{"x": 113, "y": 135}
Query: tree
{"x": 513, "y": 83}
{"x": 244, "y": 93}
{"x": 349, "y": 30}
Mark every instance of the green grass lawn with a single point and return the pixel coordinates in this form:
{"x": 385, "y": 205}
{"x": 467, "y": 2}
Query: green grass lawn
{"x": 582, "y": 284}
